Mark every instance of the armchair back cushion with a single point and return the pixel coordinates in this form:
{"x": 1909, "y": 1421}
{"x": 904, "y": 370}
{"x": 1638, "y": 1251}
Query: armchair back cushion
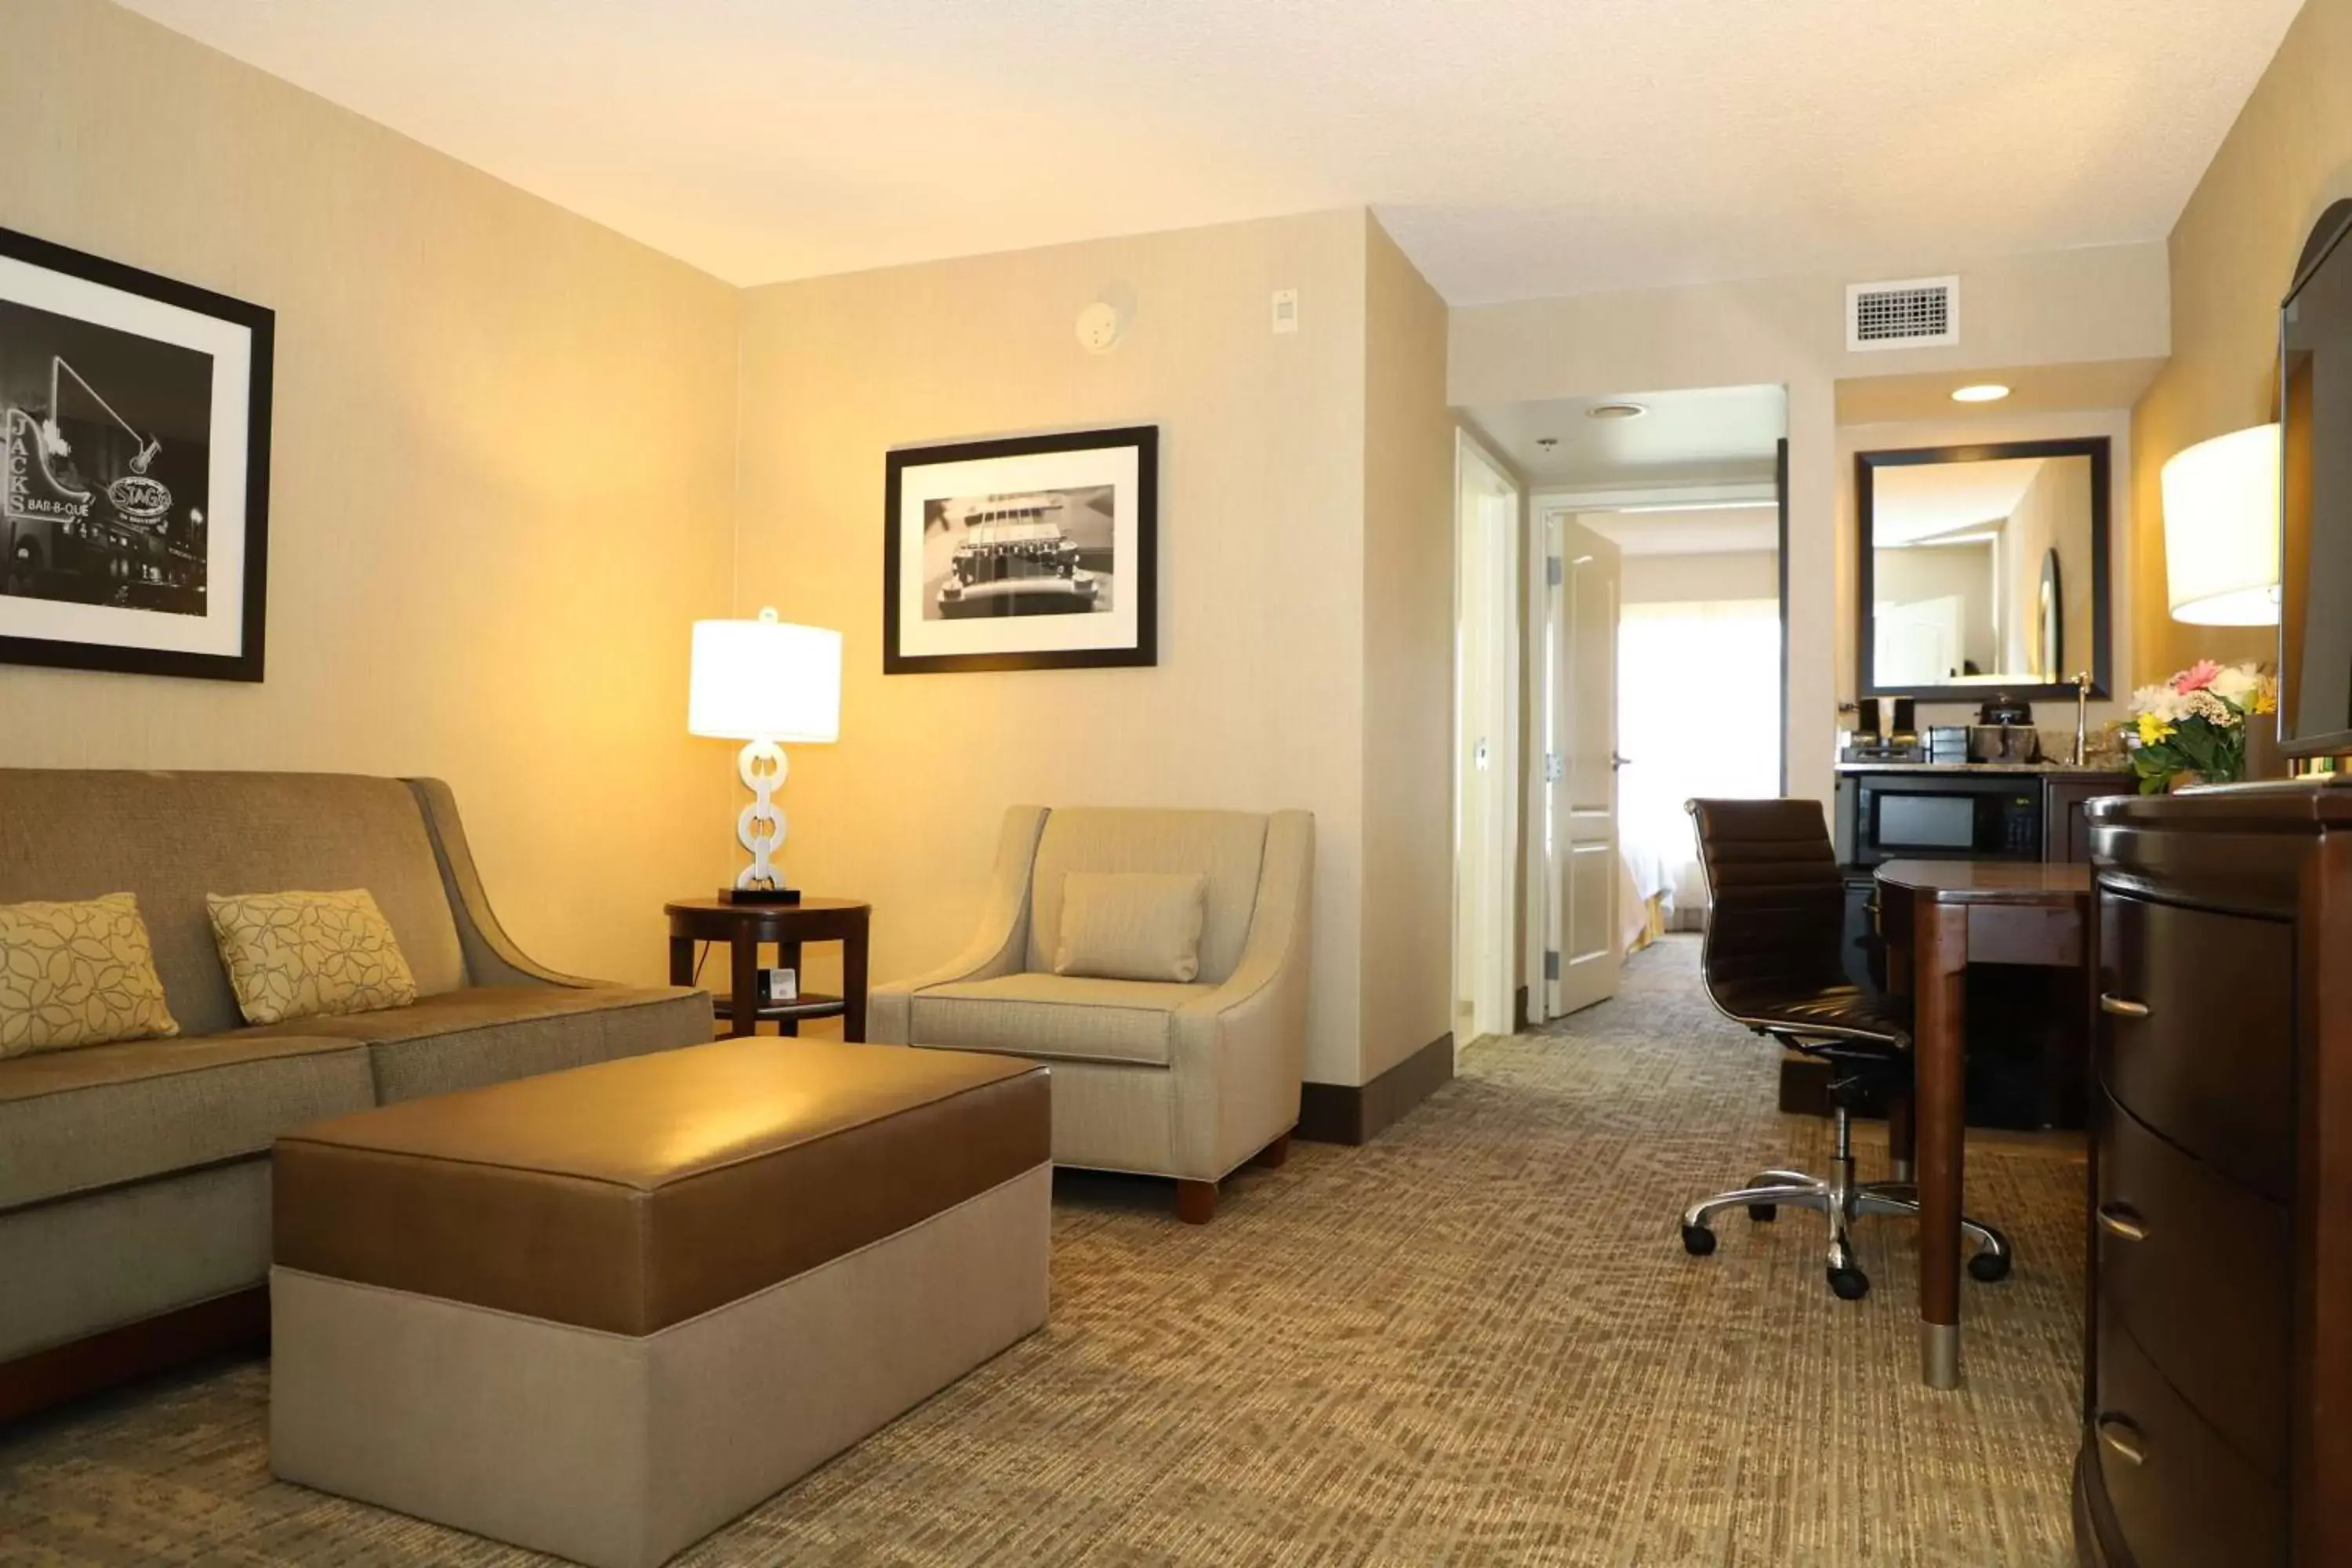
{"x": 171, "y": 838}
{"x": 1132, "y": 925}
{"x": 1223, "y": 846}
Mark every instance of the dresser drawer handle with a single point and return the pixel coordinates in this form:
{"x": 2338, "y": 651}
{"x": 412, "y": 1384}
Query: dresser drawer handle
{"x": 2122, "y": 1438}
{"x": 2121, "y": 1006}
{"x": 2121, "y": 1219}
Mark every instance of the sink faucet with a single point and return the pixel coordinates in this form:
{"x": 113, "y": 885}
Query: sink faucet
{"x": 2081, "y": 719}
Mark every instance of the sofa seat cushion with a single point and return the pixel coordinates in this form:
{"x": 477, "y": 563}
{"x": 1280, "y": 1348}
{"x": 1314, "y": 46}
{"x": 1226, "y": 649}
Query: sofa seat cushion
{"x": 99, "y": 1116}
{"x": 486, "y": 1034}
{"x": 1058, "y": 1017}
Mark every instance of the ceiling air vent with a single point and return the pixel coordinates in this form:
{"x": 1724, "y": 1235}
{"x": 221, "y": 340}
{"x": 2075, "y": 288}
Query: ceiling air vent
{"x": 1916, "y": 314}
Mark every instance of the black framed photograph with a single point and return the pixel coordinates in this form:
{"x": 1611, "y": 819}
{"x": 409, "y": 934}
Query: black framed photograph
{"x": 1030, "y": 553}
{"x": 134, "y": 420}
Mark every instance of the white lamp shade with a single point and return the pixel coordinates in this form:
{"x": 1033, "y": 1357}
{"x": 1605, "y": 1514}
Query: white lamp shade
{"x": 765, "y": 680}
{"x": 2222, "y": 529}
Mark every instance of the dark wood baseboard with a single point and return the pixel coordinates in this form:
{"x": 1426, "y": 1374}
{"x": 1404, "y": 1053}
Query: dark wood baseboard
{"x": 103, "y": 1361}
{"x": 1358, "y": 1113}
{"x": 1520, "y": 1022}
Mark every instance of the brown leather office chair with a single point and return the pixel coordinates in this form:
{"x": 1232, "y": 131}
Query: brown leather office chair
{"x": 1771, "y": 961}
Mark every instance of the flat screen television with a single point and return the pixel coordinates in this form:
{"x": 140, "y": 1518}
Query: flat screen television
{"x": 2315, "y": 498}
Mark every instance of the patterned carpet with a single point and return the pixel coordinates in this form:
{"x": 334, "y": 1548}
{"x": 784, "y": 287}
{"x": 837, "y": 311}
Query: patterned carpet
{"x": 1475, "y": 1341}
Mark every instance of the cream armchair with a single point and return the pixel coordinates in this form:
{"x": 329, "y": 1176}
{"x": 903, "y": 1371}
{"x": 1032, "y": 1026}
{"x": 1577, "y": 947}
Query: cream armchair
{"x": 1181, "y": 1080}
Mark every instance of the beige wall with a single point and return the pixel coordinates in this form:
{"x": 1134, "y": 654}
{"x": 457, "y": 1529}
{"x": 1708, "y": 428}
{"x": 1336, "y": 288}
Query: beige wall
{"x": 2055, "y": 513}
{"x": 508, "y": 476}
{"x": 501, "y": 481}
{"x": 1408, "y": 697}
{"x": 2055, "y": 719}
{"x": 1257, "y": 699}
{"x": 1701, "y": 579}
{"x": 2233, "y": 255}
{"x": 2061, "y": 308}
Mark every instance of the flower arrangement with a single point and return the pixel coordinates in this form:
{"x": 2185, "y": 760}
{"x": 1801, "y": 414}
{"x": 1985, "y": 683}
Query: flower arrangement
{"x": 2195, "y": 724}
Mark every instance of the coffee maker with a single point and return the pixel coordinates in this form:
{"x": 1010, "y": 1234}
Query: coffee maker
{"x": 2005, "y": 733}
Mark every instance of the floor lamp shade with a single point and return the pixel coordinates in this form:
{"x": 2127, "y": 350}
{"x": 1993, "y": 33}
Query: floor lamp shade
{"x": 2222, "y": 529}
{"x": 761, "y": 682}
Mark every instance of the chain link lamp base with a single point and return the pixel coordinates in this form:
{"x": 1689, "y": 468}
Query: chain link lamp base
{"x": 761, "y": 828}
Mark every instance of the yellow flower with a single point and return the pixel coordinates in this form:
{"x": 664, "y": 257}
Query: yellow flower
{"x": 2152, "y": 729}
{"x": 2266, "y": 698}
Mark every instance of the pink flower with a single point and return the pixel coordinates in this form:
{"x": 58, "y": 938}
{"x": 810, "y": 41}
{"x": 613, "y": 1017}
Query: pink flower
{"x": 2197, "y": 677}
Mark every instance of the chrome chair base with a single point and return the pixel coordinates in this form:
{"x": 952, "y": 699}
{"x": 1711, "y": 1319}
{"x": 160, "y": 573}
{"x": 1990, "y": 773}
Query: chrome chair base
{"x": 1844, "y": 1200}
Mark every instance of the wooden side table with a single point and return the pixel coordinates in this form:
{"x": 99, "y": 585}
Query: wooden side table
{"x": 744, "y": 927}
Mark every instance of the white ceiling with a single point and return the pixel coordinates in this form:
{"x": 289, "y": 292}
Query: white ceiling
{"x": 1701, "y": 435}
{"x": 1911, "y": 504}
{"x": 1515, "y": 148}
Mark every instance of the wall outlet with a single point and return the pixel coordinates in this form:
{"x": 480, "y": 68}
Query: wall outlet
{"x": 1286, "y": 309}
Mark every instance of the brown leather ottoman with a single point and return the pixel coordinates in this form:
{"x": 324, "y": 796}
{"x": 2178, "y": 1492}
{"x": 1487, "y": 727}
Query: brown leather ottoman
{"x": 602, "y": 1313}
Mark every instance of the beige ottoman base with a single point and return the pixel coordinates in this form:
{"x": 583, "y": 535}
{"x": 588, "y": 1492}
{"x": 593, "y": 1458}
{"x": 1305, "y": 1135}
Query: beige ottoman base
{"x": 620, "y": 1451}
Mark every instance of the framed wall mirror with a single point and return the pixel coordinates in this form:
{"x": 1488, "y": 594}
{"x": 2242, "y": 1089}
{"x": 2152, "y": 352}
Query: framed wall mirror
{"x": 1984, "y": 570}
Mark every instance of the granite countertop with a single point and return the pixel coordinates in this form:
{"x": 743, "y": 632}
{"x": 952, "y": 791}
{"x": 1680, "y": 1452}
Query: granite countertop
{"x": 2044, "y": 767}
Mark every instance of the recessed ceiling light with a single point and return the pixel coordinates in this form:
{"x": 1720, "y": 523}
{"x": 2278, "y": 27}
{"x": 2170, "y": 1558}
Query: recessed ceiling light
{"x": 1615, "y": 411}
{"x": 1985, "y": 391}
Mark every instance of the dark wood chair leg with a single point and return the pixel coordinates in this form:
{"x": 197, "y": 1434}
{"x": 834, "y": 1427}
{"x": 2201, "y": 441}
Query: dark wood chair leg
{"x": 1196, "y": 1201}
{"x": 1272, "y": 1156}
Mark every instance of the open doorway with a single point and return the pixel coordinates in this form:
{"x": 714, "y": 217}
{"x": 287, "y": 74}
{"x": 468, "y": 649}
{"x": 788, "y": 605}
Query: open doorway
{"x": 1657, "y": 658}
{"x": 1486, "y": 701}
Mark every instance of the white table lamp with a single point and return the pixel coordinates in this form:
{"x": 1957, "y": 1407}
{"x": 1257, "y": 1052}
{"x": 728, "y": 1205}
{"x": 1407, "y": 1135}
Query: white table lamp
{"x": 763, "y": 682}
{"x": 2222, "y": 529}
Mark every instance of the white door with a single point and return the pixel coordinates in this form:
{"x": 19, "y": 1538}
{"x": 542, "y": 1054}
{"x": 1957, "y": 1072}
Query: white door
{"x": 1584, "y": 949}
{"x": 1918, "y": 643}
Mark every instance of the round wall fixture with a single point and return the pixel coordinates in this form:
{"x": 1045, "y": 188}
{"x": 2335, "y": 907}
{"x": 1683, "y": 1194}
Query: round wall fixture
{"x": 1099, "y": 327}
{"x": 1616, "y": 411}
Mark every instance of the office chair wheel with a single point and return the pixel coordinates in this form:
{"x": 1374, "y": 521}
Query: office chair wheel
{"x": 1697, "y": 1240}
{"x": 1988, "y": 1267}
{"x": 1850, "y": 1284}
{"x": 1763, "y": 1213}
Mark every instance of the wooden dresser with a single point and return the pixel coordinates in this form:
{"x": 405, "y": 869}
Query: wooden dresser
{"x": 2218, "y": 1361}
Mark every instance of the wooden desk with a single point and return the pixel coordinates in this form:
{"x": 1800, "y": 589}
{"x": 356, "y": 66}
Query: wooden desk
{"x": 1938, "y": 917}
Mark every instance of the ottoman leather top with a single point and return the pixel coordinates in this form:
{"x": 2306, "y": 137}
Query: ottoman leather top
{"x": 635, "y": 1194}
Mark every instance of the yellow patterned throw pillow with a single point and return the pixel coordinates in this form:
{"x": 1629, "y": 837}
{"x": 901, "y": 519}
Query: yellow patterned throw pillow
{"x": 77, "y": 974}
{"x": 305, "y": 955}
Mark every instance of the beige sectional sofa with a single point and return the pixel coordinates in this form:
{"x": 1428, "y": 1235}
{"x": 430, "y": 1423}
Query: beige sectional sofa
{"x": 134, "y": 1178}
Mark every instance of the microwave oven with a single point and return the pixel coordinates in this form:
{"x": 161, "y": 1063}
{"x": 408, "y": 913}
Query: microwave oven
{"x": 1928, "y": 817}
